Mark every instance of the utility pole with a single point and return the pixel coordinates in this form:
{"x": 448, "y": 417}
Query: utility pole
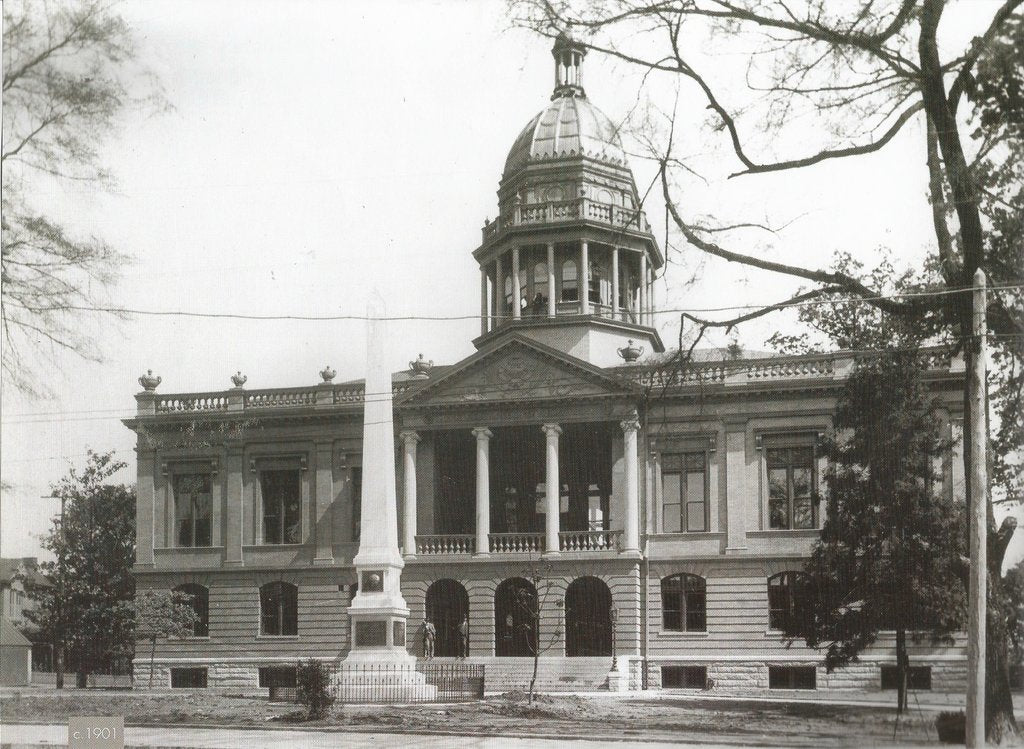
{"x": 58, "y": 658}
{"x": 978, "y": 519}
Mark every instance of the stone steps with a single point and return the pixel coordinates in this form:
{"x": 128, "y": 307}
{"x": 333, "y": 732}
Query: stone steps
{"x": 553, "y": 674}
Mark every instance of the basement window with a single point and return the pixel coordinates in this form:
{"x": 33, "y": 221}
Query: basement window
{"x": 684, "y": 677}
{"x": 792, "y": 677}
{"x": 918, "y": 678}
{"x": 188, "y": 678}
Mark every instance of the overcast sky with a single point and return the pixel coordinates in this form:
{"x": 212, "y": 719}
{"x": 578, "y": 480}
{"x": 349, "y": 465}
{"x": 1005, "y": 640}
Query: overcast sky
{"x": 319, "y": 150}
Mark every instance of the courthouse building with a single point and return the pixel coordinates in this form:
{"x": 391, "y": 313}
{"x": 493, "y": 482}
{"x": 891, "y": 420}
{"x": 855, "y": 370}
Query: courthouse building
{"x": 658, "y": 512}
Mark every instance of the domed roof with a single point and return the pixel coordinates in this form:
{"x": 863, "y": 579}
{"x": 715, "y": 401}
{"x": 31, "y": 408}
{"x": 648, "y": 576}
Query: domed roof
{"x": 568, "y": 126}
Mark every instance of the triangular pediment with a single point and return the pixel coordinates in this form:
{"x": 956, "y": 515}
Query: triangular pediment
{"x": 518, "y": 370}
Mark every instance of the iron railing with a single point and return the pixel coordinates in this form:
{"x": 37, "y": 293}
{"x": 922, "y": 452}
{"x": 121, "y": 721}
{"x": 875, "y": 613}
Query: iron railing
{"x": 382, "y": 683}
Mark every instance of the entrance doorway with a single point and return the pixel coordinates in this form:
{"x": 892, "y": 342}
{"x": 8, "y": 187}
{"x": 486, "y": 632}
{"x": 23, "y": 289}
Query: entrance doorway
{"x": 515, "y": 603}
{"x": 447, "y": 604}
{"x": 588, "y": 618}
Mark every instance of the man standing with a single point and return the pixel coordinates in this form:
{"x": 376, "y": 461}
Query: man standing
{"x": 464, "y": 638}
{"x": 429, "y": 633}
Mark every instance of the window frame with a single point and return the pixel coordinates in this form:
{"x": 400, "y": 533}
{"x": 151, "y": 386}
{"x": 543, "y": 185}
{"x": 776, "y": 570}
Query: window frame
{"x": 792, "y": 590}
{"x": 791, "y": 674}
{"x": 177, "y": 496}
{"x": 568, "y": 282}
{"x": 279, "y": 538}
{"x": 791, "y": 440}
{"x": 682, "y": 605}
{"x": 688, "y": 677}
{"x": 189, "y": 674}
{"x": 683, "y": 502}
{"x": 279, "y": 616}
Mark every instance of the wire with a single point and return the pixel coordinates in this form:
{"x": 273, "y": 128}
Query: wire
{"x": 442, "y": 318}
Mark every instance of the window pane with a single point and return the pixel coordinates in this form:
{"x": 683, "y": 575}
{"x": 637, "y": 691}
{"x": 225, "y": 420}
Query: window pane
{"x": 695, "y": 516}
{"x": 695, "y": 461}
{"x": 270, "y": 602}
{"x": 777, "y": 457}
{"x": 778, "y": 498}
{"x": 803, "y": 513}
{"x": 672, "y": 520}
{"x": 802, "y": 482}
{"x": 671, "y": 462}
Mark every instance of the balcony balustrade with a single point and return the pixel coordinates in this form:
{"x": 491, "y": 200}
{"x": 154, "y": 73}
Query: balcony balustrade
{"x": 579, "y": 209}
{"x": 446, "y": 544}
{"x": 516, "y": 543}
{"x": 589, "y": 540}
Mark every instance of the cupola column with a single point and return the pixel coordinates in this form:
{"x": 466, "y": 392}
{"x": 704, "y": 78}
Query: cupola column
{"x": 642, "y": 312}
{"x": 483, "y": 301}
{"x": 584, "y": 278}
{"x": 499, "y": 293}
{"x": 552, "y": 308}
{"x": 516, "y": 291}
{"x": 615, "y": 283}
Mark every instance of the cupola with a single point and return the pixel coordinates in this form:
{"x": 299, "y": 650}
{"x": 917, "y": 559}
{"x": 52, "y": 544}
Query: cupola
{"x": 570, "y": 258}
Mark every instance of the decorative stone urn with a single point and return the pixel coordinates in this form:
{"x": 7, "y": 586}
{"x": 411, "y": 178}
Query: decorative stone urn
{"x": 239, "y": 379}
{"x": 421, "y": 368}
{"x": 327, "y": 373}
{"x": 631, "y": 352}
{"x": 149, "y": 381}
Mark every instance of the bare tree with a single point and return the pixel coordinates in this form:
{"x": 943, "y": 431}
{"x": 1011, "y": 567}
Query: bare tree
{"x": 69, "y": 74}
{"x": 862, "y": 71}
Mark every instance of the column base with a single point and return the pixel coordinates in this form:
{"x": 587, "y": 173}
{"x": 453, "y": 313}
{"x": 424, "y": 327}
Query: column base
{"x": 630, "y": 553}
{"x": 735, "y": 549}
{"x": 550, "y": 554}
{"x": 409, "y": 557}
{"x": 323, "y": 561}
{"x": 479, "y": 554}
{"x": 234, "y": 563}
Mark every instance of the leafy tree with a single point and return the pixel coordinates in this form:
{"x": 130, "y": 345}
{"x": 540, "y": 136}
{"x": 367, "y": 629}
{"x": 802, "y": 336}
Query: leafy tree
{"x": 162, "y": 613}
{"x": 70, "y": 74}
{"x": 830, "y": 81}
{"x": 89, "y": 605}
{"x": 891, "y": 551}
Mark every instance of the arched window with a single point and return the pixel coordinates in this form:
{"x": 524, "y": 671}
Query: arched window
{"x": 785, "y": 590}
{"x": 279, "y": 609}
{"x": 199, "y": 598}
{"x": 570, "y": 288}
{"x": 447, "y": 605}
{"x": 684, "y": 603}
{"x": 516, "y": 611}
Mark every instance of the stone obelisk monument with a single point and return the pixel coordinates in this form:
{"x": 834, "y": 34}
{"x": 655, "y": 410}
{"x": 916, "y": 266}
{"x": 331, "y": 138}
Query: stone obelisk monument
{"x": 378, "y": 612}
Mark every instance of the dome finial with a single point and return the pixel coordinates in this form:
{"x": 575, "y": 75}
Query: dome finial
{"x": 568, "y": 54}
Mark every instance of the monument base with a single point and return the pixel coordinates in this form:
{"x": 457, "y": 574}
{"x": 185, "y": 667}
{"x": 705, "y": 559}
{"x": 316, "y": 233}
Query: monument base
{"x": 378, "y": 681}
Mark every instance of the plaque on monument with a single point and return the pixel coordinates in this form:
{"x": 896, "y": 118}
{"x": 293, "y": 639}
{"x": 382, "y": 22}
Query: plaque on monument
{"x": 398, "y": 634}
{"x": 373, "y": 582}
{"x": 371, "y": 634}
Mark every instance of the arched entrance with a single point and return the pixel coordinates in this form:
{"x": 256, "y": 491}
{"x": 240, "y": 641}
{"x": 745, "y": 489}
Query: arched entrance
{"x": 515, "y": 608}
{"x": 588, "y": 618}
{"x": 447, "y": 604}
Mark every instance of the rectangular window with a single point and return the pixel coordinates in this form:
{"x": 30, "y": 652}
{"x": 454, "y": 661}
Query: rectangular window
{"x": 193, "y": 507}
{"x": 684, "y": 677}
{"x": 188, "y": 678}
{"x": 918, "y": 678}
{"x": 282, "y": 516}
{"x": 792, "y": 485}
{"x": 684, "y": 486}
{"x": 277, "y": 676}
{"x": 792, "y": 677}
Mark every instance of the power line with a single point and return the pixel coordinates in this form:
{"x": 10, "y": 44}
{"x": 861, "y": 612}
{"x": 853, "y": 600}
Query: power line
{"x": 499, "y": 317}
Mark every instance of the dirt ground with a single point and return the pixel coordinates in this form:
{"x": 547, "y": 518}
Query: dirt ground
{"x": 683, "y": 719}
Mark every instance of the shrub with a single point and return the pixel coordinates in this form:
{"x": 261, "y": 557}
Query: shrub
{"x": 951, "y": 727}
{"x": 313, "y": 682}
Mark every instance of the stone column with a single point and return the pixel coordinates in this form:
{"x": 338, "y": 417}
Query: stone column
{"x": 235, "y": 502}
{"x": 584, "y": 278}
{"x": 483, "y": 301}
{"x": 736, "y": 486}
{"x": 409, "y": 441}
{"x": 499, "y": 293}
{"x": 146, "y": 504}
{"x": 552, "y": 308}
{"x": 516, "y": 291}
{"x": 615, "y": 283}
{"x": 642, "y": 312}
{"x": 483, "y": 490}
{"x": 551, "y": 491}
{"x": 631, "y": 530}
{"x": 324, "y": 501}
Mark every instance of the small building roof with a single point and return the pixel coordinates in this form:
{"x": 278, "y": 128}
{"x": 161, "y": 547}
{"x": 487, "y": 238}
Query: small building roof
{"x": 11, "y": 637}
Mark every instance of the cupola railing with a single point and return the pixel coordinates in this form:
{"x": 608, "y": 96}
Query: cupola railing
{"x": 565, "y": 211}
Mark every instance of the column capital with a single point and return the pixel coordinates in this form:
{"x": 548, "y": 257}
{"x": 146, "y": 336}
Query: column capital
{"x": 630, "y": 423}
{"x": 551, "y": 430}
{"x": 482, "y": 434}
{"x": 409, "y": 437}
